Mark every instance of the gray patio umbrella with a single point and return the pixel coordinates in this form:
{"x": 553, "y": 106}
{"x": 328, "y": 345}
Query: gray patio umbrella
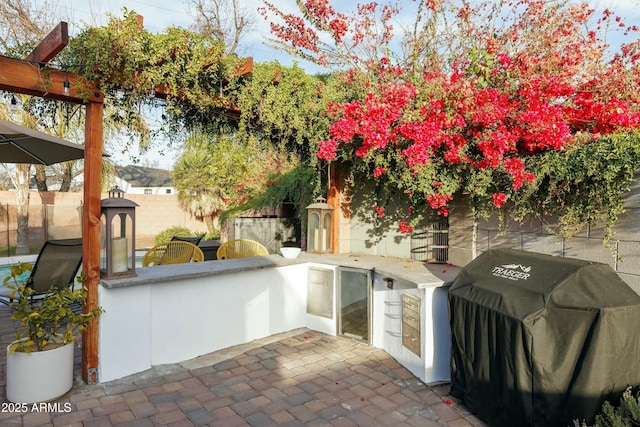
{"x": 19, "y": 144}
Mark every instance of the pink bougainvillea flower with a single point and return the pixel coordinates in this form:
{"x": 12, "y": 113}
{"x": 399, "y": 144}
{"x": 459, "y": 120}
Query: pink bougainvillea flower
{"x": 378, "y": 171}
{"x": 327, "y": 149}
{"x": 404, "y": 227}
{"x": 443, "y": 212}
{"x": 484, "y": 109}
{"x": 438, "y": 200}
{"x": 498, "y": 199}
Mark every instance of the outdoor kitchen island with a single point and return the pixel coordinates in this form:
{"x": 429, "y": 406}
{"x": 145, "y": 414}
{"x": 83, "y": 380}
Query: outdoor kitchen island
{"x": 169, "y": 314}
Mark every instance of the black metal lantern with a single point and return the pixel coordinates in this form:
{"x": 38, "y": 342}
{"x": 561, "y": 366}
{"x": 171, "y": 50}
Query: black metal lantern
{"x": 118, "y": 254}
{"x": 319, "y": 226}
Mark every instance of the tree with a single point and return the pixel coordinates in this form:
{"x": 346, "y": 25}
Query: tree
{"x": 224, "y": 20}
{"x": 24, "y": 24}
{"x": 219, "y": 172}
{"x": 321, "y": 34}
{"x": 22, "y": 29}
{"x": 474, "y": 110}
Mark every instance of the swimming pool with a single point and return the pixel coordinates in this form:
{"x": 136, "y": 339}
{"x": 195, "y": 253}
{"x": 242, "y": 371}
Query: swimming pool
{"x": 5, "y": 270}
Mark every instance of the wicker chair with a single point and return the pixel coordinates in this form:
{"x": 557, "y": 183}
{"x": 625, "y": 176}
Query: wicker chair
{"x": 241, "y": 248}
{"x": 175, "y": 252}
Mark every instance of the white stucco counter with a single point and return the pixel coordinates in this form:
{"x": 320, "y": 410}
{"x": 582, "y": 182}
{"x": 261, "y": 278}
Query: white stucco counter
{"x": 417, "y": 273}
{"x": 173, "y": 313}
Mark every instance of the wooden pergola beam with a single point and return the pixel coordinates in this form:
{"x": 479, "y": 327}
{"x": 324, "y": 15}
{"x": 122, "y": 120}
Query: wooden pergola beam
{"x": 52, "y": 44}
{"x": 92, "y": 212}
{"x": 30, "y": 78}
{"x": 245, "y": 67}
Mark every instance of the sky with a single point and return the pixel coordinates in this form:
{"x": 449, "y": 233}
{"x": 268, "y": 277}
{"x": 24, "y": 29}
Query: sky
{"x": 159, "y": 15}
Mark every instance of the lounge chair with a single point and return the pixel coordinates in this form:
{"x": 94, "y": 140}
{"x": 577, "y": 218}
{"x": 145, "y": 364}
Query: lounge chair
{"x": 56, "y": 266}
{"x": 241, "y": 248}
{"x": 174, "y": 252}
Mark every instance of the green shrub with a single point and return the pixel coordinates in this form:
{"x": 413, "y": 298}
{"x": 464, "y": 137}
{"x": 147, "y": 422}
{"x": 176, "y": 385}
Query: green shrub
{"x": 626, "y": 414}
{"x": 166, "y": 235}
{"x": 215, "y": 235}
{"x": 46, "y": 322}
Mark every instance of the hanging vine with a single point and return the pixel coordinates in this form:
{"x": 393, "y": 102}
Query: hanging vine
{"x": 132, "y": 66}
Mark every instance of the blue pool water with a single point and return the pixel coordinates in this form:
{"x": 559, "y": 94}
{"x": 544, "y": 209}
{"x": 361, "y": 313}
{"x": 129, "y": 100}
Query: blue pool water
{"x": 5, "y": 271}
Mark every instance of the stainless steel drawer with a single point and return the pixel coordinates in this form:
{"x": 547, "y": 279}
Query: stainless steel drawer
{"x": 411, "y": 323}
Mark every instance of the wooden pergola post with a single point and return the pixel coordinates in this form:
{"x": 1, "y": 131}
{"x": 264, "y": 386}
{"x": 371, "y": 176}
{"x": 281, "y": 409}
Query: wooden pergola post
{"x": 26, "y": 76}
{"x": 91, "y": 234}
{"x": 334, "y": 194}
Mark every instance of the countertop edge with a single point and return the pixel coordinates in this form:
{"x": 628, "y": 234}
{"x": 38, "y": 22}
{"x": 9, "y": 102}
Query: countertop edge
{"x": 417, "y": 273}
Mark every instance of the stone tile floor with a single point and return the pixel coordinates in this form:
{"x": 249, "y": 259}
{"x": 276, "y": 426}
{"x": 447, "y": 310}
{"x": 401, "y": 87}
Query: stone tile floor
{"x": 298, "y": 378}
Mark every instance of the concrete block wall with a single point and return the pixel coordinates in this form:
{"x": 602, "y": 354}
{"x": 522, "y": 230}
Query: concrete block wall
{"x": 56, "y": 215}
{"x": 372, "y": 235}
{"x": 622, "y": 252}
{"x": 156, "y": 213}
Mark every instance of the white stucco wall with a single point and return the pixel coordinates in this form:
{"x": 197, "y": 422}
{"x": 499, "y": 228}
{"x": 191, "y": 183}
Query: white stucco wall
{"x": 169, "y": 314}
{"x": 169, "y": 322}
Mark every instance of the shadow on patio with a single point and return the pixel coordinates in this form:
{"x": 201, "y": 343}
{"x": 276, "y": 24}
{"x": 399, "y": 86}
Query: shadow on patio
{"x": 299, "y": 378}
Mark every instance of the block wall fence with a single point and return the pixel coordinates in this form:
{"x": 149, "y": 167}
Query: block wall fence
{"x": 57, "y": 215}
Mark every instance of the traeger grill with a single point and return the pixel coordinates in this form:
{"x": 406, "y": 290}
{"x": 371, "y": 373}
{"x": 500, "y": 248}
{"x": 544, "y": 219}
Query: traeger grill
{"x": 539, "y": 340}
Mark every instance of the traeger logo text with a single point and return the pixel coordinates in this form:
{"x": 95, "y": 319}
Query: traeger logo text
{"x": 512, "y": 272}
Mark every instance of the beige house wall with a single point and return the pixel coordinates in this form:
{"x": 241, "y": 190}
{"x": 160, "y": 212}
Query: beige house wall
{"x": 56, "y": 215}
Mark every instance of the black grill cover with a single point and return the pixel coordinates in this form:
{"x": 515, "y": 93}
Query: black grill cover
{"x": 539, "y": 340}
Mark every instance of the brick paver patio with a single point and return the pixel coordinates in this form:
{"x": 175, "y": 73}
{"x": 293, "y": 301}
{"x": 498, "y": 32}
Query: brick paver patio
{"x": 299, "y": 378}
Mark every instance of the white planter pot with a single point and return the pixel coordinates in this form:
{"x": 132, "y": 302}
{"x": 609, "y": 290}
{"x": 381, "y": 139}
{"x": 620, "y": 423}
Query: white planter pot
{"x": 39, "y": 376}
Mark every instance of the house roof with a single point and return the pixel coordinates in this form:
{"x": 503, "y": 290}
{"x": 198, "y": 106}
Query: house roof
{"x": 139, "y": 176}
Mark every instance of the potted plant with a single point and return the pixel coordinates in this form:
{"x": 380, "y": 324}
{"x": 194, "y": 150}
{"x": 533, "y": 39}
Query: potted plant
{"x": 40, "y": 360}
